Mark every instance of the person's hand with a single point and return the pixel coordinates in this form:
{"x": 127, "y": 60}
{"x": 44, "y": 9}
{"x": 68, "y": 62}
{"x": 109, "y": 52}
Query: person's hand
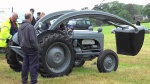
{"x": 69, "y": 29}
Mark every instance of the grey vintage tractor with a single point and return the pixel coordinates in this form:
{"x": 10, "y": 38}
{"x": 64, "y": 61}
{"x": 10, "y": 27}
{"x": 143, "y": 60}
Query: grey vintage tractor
{"x": 61, "y": 50}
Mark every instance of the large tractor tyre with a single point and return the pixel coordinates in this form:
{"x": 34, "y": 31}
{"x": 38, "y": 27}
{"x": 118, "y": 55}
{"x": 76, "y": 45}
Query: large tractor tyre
{"x": 12, "y": 59}
{"x": 107, "y": 61}
{"x": 56, "y": 57}
{"x": 79, "y": 63}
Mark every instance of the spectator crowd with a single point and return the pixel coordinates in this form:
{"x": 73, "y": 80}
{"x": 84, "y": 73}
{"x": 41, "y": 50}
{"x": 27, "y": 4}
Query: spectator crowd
{"x": 12, "y": 27}
{"x": 27, "y": 41}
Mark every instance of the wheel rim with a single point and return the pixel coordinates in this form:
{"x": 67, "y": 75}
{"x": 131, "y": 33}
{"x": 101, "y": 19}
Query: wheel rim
{"x": 109, "y": 62}
{"x": 58, "y": 57}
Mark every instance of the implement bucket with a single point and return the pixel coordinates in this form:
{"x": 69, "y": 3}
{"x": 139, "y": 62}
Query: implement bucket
{"x": 129, "y": 42}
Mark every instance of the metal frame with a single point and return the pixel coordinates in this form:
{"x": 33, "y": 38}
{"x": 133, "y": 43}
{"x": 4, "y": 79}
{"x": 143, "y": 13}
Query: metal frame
{"x": 104, "y": 16}
{"x": 52, "y": 16}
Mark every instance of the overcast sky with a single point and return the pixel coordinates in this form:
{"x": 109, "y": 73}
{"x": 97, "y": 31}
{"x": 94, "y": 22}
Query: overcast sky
{"x": 49, "y": 6}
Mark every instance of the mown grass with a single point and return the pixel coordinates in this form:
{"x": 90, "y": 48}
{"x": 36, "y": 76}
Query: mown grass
{"x": 131, "y": 70}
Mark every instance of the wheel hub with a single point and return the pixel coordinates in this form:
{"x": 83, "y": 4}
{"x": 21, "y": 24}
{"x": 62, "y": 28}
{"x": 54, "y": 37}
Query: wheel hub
{"x": 55, "y": 57}
{"x": 109, "y": 63}
{"x": 58, "y": 57}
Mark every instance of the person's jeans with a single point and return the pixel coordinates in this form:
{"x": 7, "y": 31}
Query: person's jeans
{"x": 30, "y": 64}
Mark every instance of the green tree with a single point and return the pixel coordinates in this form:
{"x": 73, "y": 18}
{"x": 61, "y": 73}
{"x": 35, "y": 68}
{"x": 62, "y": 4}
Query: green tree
{"x": 113, "y": 7}
{"x": 102, "y": 7}
{"x": 138, "y": 8}
{"x": 116, "y": 7}
{"x": 120, "y": 9}
{"x": 131, "y": 9}
{"x": 125, "y": 14}
{"x": 146, "y": 11}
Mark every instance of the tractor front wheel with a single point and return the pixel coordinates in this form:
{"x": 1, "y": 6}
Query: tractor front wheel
{"x": 107, "y": 61}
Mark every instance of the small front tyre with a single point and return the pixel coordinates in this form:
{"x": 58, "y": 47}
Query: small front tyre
{"x": 107, "y": 61}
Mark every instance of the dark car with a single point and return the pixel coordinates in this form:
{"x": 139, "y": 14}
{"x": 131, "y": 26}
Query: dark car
{"x": 79, "y": 24}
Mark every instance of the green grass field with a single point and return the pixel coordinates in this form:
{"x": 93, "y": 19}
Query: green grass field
{"x": 131, "y": 70}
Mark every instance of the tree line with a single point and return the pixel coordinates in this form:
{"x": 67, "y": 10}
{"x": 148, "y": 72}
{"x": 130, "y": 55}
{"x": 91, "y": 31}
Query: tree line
{"x": 130, "y": 12}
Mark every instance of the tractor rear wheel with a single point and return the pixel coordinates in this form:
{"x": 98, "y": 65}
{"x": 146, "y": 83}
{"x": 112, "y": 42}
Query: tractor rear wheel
{"x": 12, "y": 59}
{"x": 56, "y": 56}
{"x": 107, "y": 61}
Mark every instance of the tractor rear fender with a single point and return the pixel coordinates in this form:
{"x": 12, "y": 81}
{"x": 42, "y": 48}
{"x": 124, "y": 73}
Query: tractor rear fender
{"x": 16, "y": 47}
{"x": 18, "y": 50}
{"x": 46, "y": 33}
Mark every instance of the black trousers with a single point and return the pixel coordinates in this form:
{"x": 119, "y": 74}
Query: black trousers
{"x": 30, "y": 64}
